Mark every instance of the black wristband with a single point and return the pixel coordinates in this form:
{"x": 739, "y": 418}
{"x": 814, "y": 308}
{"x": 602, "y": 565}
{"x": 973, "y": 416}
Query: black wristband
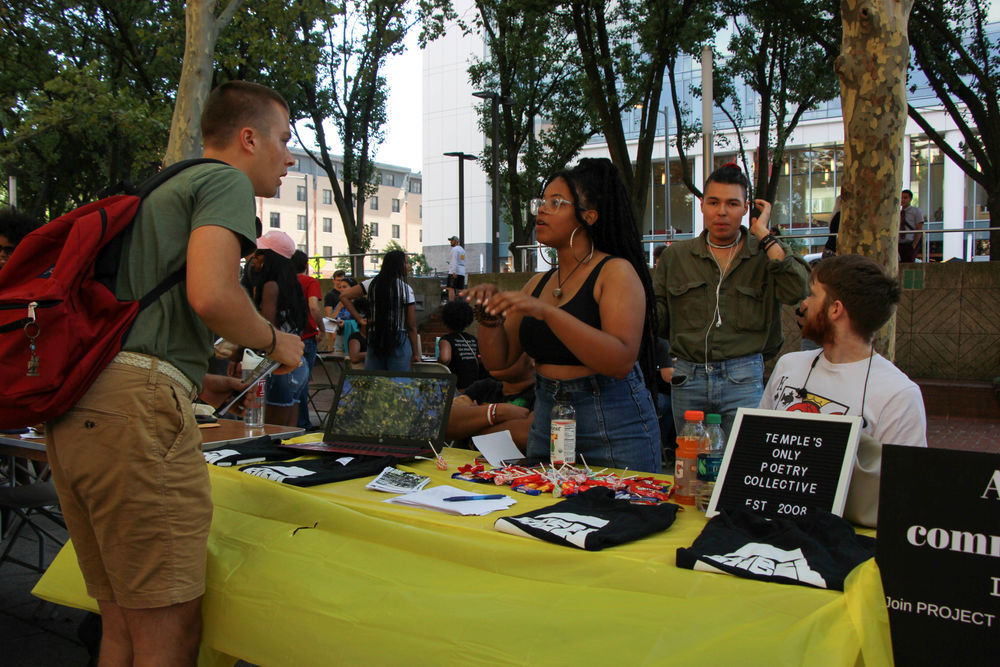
{"x": 767, "y": 242}
{"x": 274, "y": 343}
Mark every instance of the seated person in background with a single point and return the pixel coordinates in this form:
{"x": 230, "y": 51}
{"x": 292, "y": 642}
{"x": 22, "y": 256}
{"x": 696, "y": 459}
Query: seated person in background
{"x": 850, "y": 298}
{"x": 503, "y": 402}
{"x": 331, "y": 300}
{"x": 14, "y": 226}
{"x": 458, "y": 350}
{"x": 357, "y": 344}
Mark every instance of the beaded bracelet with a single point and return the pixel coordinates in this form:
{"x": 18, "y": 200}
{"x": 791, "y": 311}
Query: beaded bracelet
{"x": 491, "y": 413}
{"x": 485, "y": 319}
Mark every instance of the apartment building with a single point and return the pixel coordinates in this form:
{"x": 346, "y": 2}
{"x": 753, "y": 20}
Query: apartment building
{"x": 304, "y": 209}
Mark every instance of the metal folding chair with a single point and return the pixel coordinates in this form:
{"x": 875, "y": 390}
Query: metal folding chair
{"x": 26, "y": 503}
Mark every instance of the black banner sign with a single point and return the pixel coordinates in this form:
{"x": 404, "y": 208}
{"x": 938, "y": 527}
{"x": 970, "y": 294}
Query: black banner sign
{"x": 938, "y": 550}
{"x": 784, "y": 463}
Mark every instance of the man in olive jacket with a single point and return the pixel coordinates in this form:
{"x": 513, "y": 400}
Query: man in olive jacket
{"x": 719, "y": 298}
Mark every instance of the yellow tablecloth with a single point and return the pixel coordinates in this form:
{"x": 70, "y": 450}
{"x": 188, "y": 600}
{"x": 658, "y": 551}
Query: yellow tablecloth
{"x": 332, "y": 575}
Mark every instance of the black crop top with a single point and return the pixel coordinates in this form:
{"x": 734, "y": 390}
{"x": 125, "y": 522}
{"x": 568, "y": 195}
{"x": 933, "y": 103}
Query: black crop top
{"x": 537, "y": 338}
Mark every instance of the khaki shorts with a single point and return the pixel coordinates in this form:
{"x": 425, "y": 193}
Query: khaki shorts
{"x": 134, "y": 488}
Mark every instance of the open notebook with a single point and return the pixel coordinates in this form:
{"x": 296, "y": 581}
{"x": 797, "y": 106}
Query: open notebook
{"x": 395, "y": 413}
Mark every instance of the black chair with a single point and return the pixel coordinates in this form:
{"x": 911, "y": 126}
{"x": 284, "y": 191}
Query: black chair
{"x": 27, "y": 503}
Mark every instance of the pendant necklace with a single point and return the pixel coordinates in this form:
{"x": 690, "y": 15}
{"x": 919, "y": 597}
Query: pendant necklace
{"x": 724, "y": 246}
{"x": 557, "y": 292}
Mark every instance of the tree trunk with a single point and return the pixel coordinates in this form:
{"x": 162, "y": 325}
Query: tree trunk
{"x": 202, "y": 29}
{"x": 872, "y": 69}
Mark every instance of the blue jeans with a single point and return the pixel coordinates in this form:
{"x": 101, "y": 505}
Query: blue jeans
{"x": 721, "y": 389}
{"x": 283, "y": 390}
{"x": 398, "y": 360}
{"x": 309, "y": 354}
{"x": 616, "y": 423}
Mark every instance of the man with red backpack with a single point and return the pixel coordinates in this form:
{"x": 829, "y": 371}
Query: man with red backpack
{"x": 126, "y": 459}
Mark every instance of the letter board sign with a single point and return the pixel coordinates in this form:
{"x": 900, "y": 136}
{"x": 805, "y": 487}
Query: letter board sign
{"x": 938, "y": 550}
{"x": 781, "y": 464}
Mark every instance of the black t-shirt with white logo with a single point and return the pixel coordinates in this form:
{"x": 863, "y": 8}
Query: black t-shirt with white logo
{"x": 591, "y": 520}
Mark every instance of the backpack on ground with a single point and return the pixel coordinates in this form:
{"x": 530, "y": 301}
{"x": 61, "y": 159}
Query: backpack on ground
{"x": 60, "y": 321}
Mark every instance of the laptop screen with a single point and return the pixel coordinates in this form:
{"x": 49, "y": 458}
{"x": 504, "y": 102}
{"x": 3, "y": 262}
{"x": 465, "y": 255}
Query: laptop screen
{"x": 390, "y": 407}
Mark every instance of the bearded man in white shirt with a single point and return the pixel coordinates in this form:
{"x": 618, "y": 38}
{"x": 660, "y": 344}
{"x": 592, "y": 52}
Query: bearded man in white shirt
{"x": 850, "y": 298}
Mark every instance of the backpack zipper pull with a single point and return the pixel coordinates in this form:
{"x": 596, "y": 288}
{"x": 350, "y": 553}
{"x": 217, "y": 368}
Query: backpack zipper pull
{"x": 31, "y": 330}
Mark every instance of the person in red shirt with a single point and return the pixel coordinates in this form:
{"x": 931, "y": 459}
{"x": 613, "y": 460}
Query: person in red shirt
{"x": 314, "y": 327}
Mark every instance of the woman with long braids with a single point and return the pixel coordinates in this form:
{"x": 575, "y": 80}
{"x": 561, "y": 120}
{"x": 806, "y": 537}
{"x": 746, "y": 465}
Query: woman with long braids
{"x": 278, "y": 296}
{"x": 392, "y": 327}
{"x": 588, "y": 323}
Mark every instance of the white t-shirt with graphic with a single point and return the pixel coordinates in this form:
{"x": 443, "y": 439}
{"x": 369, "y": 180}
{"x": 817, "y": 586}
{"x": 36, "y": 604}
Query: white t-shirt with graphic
{"x": 893, "y": 408}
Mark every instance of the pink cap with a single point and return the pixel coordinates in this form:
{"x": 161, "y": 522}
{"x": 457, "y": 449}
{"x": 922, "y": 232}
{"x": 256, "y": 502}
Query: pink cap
{"x": 279, "y": 242}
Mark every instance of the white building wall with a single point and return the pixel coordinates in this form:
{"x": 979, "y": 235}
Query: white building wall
{"x": 450, "y": 123}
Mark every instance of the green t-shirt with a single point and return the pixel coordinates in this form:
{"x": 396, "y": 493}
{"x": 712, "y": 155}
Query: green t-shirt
{"x": 208, "y": 194}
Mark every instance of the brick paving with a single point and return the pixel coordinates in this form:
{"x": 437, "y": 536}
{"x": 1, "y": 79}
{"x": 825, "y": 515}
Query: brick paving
{"x": 974, "y": 435}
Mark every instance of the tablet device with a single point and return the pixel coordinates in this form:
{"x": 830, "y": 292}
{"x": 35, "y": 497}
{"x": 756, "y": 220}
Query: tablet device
{"x": 263, "y": 369}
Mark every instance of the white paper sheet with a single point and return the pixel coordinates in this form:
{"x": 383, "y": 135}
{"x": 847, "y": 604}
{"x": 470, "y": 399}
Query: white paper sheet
{"x": 433, "y": 499}
{"x": 497, "y": 448}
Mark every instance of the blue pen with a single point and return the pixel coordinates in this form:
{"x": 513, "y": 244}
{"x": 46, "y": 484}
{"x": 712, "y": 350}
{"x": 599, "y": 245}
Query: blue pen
{"x": 494, "y": 496}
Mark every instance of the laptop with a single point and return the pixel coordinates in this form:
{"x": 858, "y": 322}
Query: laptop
{"x": 380, "y": 413}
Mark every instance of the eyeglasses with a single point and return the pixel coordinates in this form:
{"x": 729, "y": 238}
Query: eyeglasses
{"x": 9, "y": 249}
{"x": 550, "y": 205}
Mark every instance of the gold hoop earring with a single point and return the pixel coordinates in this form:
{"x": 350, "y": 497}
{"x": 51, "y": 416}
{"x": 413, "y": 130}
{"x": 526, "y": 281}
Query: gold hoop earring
{"x": 573, "y": 250}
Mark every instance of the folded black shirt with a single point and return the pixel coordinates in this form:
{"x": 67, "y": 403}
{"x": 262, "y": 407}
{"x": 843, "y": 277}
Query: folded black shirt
{"x": 323, "y": 470}
{"x": 815, "y": 550}
{"x": 591, "y": 520}
{"x": 264, "y": 448}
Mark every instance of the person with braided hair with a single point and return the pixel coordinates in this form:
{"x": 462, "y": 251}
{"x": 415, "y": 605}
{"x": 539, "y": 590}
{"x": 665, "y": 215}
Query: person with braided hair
{"x": 588, "y": 323}
{"x": 392, "y": 327}
{"x": 719, "y": 298}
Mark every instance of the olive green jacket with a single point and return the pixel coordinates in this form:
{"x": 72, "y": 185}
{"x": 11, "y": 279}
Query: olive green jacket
{"x": 748, "y": 319}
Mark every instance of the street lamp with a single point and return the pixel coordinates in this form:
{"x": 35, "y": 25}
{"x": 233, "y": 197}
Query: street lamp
{"x": 495, "y": 99}
{"x": 462, "y": 157}
{"x": 666, "y": 170}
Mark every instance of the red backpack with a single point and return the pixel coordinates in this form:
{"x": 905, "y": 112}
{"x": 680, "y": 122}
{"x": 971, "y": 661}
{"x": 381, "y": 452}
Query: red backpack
{"x": 60, "y": 321}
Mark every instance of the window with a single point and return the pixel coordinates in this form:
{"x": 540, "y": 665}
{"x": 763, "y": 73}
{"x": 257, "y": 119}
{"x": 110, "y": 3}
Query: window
{"x": 395, "y": 231}
{"x": 296, "y": 166}
{"x": 301, "y": 222}
{"x": 327, "y": 196}
{"x": 300, "y": 192}
{"x": 415, "y": 187}
{"x": 373, "y": 204}
{"x": 277, "y": 193}
{"x": 395, "y": 206}
{"x": 275, "y": 219}
{"x": 328, "y": 251}
{"x": 374, "y": 228}
{"x": 387, "y": 179}
{"x": 392, "y": 179}
{"x": 420, "y": 213}
{"x": 327, "y": 224}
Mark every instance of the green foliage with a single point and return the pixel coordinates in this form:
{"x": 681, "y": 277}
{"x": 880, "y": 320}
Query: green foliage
{"x": 961, "y": 62}
{"x": 790, "y": 75}
{"x": 532, "y": 60}
{"x": 418, "y": 263}
{"x": 87, "y": 93}
{"x": 327, "y": 59}
{"x": 627, "y": 48}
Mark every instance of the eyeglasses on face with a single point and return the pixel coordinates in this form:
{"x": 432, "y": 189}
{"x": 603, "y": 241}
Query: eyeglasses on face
{"x": 550, "y": 205}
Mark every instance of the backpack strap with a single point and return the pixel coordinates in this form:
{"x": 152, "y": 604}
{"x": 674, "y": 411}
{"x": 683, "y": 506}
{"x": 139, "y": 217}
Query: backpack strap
{"x": 143, "y": 191}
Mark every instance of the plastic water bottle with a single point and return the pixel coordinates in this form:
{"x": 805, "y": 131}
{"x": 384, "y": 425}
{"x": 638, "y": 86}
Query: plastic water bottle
{"x": 689, "y": 441}
{"x": 710, "y": 460}
{"x": 563, "y": 432}
{"x": 253, "y": 402}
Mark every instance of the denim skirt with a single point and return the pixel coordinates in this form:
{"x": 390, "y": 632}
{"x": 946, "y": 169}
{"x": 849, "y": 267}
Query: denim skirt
{"x": 616, "y": 424}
